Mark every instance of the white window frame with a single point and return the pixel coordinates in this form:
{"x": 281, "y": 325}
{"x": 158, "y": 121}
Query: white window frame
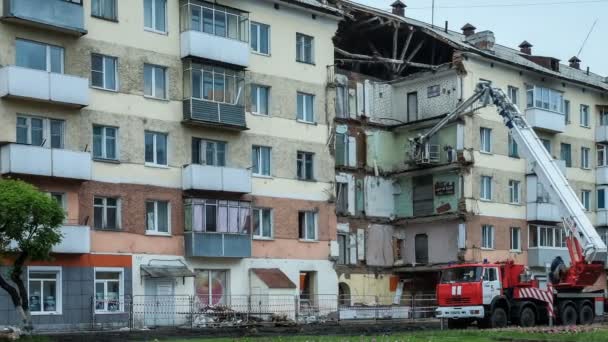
{"x": 485, "y": 140}
{"x": 202, "y": 152}
{"x": 104, "y": 153}
{"x": 586, "y": 199}
{"x": 305, "y": 108}
{"x": 307, "y": 214}
{"x": 512, "y": 230}
{"x": 259, "y": 155}
{"x": 104, "y": 72}
{"x": 602, "y": 155}
{"x": 153, "y": 29}
{"x": 121, "y": 288}
{"x": 512, "y": 145}
{"x": 58, "y": 288}
{"x": 585, "y": 116}
{"x": 258, "y": 98}
{"x": 556, "y": 234}
{"x": 47, "y": 54}
{"x": 514, "y": 191}
{"x": 259, "y": 212}
{"x": 101, "y": 6}
{"x": 155, "y": 231}
{"x": 485, "y": 191}
{"x": 485, "y": 244}
{"x": 104, "y": 219}
{"x": 154, "y": 95}
{"x": 46, "y": 130}
{"x": 301, "y": 158}
{"x": 513, "y": 93}
{"x": 567, "y": 113}
{"x": 585, "y": 158}
{"x": 155, "y": 163}
{"x": 301, "y": 50}
{"x": 258, "y": 34}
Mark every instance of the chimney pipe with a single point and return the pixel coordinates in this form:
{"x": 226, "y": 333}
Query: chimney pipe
{"x": 398, "y": 8}
{"x": 575, "y": 62}
{"x": 468, "y": 30}
{"x": 446, "y": 26}
{"x": 525, "y": 47}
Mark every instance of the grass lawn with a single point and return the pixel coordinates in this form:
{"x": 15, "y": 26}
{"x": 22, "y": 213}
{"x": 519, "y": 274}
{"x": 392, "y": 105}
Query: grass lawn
{"x": 597, "y": 335}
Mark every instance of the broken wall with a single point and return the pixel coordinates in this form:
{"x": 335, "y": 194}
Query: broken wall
{"x": 442, "y": 195}
{"x": 379, "y": 245}
{"x": 379, "y": 194}
{"x": 442, "y": 238}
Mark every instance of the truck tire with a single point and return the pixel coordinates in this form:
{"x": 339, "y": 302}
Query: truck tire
{"x": 457, "y": 323}
{"x": 586, "y": 315}
{"x": 568, "y": 315}
{"x": 498, "y": 319}
{"x": 527, "y": 317}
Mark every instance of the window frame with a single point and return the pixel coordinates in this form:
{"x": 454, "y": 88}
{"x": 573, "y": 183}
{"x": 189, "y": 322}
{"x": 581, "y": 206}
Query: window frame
{"x": 153, "y": 19}
{"x": 153, "y": 95}
{"x": 562, "y": 154}
{"x": 557, "y": 237}
{"x": 154, "y": 230}
{"x": 513, "y": 94}
{"x": 258, "y": 97}
{"x": 203, "y": 145}
{"x": 485, "y": 191}
{"x": 47, "y": 52}
{"x": 301, "y": 162}
{"x": 260, "y": 211}
{"x": 305, "y": 113}
{"x": 585, "y": 116}
{"x": 513, "y": 148}
{"x": 315, "y": 217}
{"x": 514, "y": 191}
{"x": 484, "y": 237}
{"x": 301, "y": 39}
{"x": 103, "y": 71}
{"x": 604, "y": 190}
{"x": 104, "y": 213}
{"x": 258, "y": 36}
{"x": 485, "y": 139}
{"x": 586, "y": 199}
{"x": 259, "y": 157}
{"x": 343, "y": 249}
{"x": 58, "y": 270}
{"x": 114, "y": 18}
{"x": 567, "y": 114}
{"x": 601, "y": 151}
{"x": 104, "y": 137}
{"x": 154, "y": 162}
{"x": 585, "y": 158}
{"x": 512, "y": 230}
{"x": 121, "y": 289}
{"x": 46, "y": 129}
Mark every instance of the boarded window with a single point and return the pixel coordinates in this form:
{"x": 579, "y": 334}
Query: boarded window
{"x": 423, "y": 195}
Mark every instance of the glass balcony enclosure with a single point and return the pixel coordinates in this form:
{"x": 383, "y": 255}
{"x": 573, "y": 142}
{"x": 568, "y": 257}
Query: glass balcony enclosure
{"x": 66, "y": 16}
{"x": 217, "y": 216}
{"x": 212, "y": 83}
{"x": 544, "y": 98}
{"x": 214, "y": 19}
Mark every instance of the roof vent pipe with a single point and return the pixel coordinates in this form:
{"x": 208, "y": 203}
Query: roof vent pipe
{"x": 575, "y": 62}
{"x": 398, "y": 8}
{"x": 468, "y": 30}
{"x": 525, "y": 47}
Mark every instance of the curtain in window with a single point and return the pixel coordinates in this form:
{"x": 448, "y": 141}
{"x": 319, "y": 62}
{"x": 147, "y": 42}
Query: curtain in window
{"x": 266, "y": 161}
{"x": 198, "y": 218}
{"x": 222, "y": 219}
{"x": 243, "y": 220}
{"x": 163, "y": 217}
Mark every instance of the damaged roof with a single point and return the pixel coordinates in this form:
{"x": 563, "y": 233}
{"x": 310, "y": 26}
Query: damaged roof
{"x": 319, "y": 5}
{"x": 499, "y": 52}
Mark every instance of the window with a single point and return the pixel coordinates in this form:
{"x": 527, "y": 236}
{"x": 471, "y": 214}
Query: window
{"x": 208, "y": 152}
{"x": 513, "y": 94}
{"x": 305, "y": 166}
{"x": 545, "y": 98}
{"x": 217, "y": 20}
{"x": 259, "y": 99}
{"x": 261, "y": 156}
{"x": 103, "y": 72}
{"x": 513, "y": 149}
{"x": 486, "y": 140}
{"x": 585, "y": 151}
{"x": 105, "y": 142}
{"x": 586, "y": 199}
{"x": 566, "y": 154}
{"x": 305, "y": 48}
{"x": 602, "y": 156}
{"x": 343, "y": 249}
{"x": 567, "y": 111}
{"x": 155, "y": 81}
{"x": 547, "y": 144}
{"x": 105, "y": 9}
{"x": 60, "y": 198}
{"x": 487, "y": 236}
{"x": 342, "y": 197}
{"x": 307, "y": 224}
{"x": 260, "y": 38}
{"x": 486, "y": 188}
{"x": 262, "y": 223}
{"x": 44, "y": 290}
{"x": 108, "y": 289}
{"x": 156, "y": 148}
{"x": 515, "y": 239}
{"x": 39, "y": 56}
{"x": 217, "y": 216}
{"x": 601, "y": 198}
{"x": 106, "y": 213}
{"x": 514, "y": 191}
{"x": 158, "y": 217}
{"x": 433, "y": 91}
{"x": 342, "y": 149}
{"x": 155, "y": 16}
{"x": 306, "y": 107}
{"x": 491, "y": 274}
{"x": 584, "y": 115}
{"x": 212, "y": 83}
{"x": 543, "y": 236}
{"x": 40, "y": 131}
{"x": 211, "y": 287}
{"x": 604, "y": 117}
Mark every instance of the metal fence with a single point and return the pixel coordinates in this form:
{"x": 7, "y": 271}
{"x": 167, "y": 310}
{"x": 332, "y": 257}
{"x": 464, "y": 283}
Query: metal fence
{"x": 201, "y": 311}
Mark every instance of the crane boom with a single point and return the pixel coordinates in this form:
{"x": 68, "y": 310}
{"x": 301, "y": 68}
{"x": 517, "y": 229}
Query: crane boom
{"x": 572, "y": 211}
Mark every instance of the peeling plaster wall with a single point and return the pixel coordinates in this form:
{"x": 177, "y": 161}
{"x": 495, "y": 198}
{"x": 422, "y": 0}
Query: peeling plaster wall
{"x": 442, "y": 241}
{"x": 379, "y": 197}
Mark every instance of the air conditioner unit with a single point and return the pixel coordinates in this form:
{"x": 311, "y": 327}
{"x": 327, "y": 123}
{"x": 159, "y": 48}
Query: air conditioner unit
{"x": 428, "y": 154}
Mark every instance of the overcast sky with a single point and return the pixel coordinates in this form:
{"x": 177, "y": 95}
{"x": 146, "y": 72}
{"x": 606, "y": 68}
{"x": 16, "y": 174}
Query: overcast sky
{"x": 556, "y": 28}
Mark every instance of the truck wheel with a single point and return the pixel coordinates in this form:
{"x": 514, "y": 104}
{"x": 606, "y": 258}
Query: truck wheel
{"x": 457, "y": 323}
{"x": 527, "y": 317}
{"x": 498, "y": 319}
{"x": 586, "y": 315}
{"x": 568, "y": 315}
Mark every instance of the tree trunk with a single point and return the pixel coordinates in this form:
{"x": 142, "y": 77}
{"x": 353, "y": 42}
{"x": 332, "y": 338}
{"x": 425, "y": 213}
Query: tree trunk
{"x": 26, "y": 319}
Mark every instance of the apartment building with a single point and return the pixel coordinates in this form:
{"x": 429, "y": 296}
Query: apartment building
{"x": 186, "y": 140}
{"x": 469, "y": 196}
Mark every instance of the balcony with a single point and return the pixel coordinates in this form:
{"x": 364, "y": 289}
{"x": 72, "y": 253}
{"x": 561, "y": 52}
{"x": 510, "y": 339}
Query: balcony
{"x": 40, "y": 161}
{"x": 601, "y": 217}
{"x": 215, "y": 178}
{"x": 75, "y": 240}
{"x": 601, "y": 175}
{"x": 222, "y": 36}
{"x": 543, "y": 256}
{"x": 546, "y": 120}
{"x": 218, "y": 245}
{"x": 214, "y": 114}
{"x": 38, "y": 85}
{"x": 601, "y": 133}
{"x": 57, "y": 15}
{"x": 539, "y": 206}
{"x": 560, "y": 163}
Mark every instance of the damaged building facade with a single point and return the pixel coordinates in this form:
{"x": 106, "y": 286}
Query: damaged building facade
{"x": 469, "y": 197}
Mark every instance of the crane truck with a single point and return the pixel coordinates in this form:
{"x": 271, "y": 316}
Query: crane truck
{"x": 496, "y": 294}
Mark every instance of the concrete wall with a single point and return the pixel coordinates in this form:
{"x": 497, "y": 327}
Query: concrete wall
{"x": 442, "y": 241}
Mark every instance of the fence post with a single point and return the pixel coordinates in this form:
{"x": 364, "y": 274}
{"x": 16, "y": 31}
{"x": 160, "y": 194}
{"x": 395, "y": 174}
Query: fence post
{"x": 296, "y": 308}
{"x": 376, "y": 301}
{"x": 131, "y": 314}
{"x": 92, "y": 312}
{"x": 248, "y": 307}
{"x": 413, "y": 307}
{"x": 191, "y": 299}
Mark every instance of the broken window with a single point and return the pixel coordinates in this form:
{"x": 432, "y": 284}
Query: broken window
{"x": 208, "y": 152}
{"x": 566, "y": 154}
{"x": 433, "y": 91}
{"x": 421, "y": 248}
{"x": 342, "y": 198}
{"x": 305, "y": 166}
{"x": 412, "y": 106}
{"x": 423, "y": 195}
{"x": 359, "y": 197}
{"x": 343, "y": 246}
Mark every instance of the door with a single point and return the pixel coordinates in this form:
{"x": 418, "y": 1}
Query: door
{"x": 160, "y": 303}
{"x": 412, "y": 106}
{"x": 421, "y": 247}
{"x": 423, "y": 195}
{"x": 491, "y": 284}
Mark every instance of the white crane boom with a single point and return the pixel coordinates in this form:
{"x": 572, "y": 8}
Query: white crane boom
{"x": 555, "y": 183}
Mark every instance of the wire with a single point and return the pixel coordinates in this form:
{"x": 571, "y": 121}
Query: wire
{"x": 515, "y": 5}
{"x": 585, "y": 41}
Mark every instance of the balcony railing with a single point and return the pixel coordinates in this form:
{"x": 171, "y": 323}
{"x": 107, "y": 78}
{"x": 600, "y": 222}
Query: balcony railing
{"x": 215, "y": 114}
{"x": 58, "y": 15}
{"x": 601, "y": 133}
{"x": 543, "y": 256}
{"x": 601, "y": 175}
{"x": 75, "y": 240}
{"x": 40, "y": 161}
{"x": 216, "y": 178}
{"x": 44, "y": 86}
{"x": 227, "y": 245}
{"x": 546, "y": 120}
{"x": 539, "y": 206}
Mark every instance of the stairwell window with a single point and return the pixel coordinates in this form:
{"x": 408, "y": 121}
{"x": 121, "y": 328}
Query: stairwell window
{"x": 514, "y": 191}
{"x": 106, "y": 213}
{"x": 259, "y": 99}
{"x": 104, "y": 9}
{"x": 486, "y": 188}
{"x": 566, "y": 154}
{"x": 42, "y": 132}
{"x": 158, "y": 217}
{"x": 155, "y": 84}
{"x": 567, "y": 112}
{"x": 585, "y": 152}
{"x": 305, "y": 48}
{"x": 39, "y": 56}
{"x": 260, "y": 38}
{"x": 104, "y": 72}
{"x": 515, "y": 233}
{"x": 487, "y": 236}
{"x": 586, "y": 199}
{"x": 261, "y": 160}
{"x": 307, "y": 225}
{"x": 513, "y": 148}
{"x": 156, "y": 149}
{"x": 485, "y": 140}
{"x": 584, "y": 115}
{"x": 155, "y": 15}
{"x": 105, "y": 142}
{"x": 306, "y": 104}
{"x": 262, "y": 223}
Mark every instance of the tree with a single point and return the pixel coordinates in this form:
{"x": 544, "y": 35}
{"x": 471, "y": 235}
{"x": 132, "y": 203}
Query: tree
{"x": 29, "y": 228}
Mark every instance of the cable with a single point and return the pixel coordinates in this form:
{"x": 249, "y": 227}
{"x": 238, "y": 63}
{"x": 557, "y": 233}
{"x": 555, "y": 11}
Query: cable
{"x": 515, "y": 5}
